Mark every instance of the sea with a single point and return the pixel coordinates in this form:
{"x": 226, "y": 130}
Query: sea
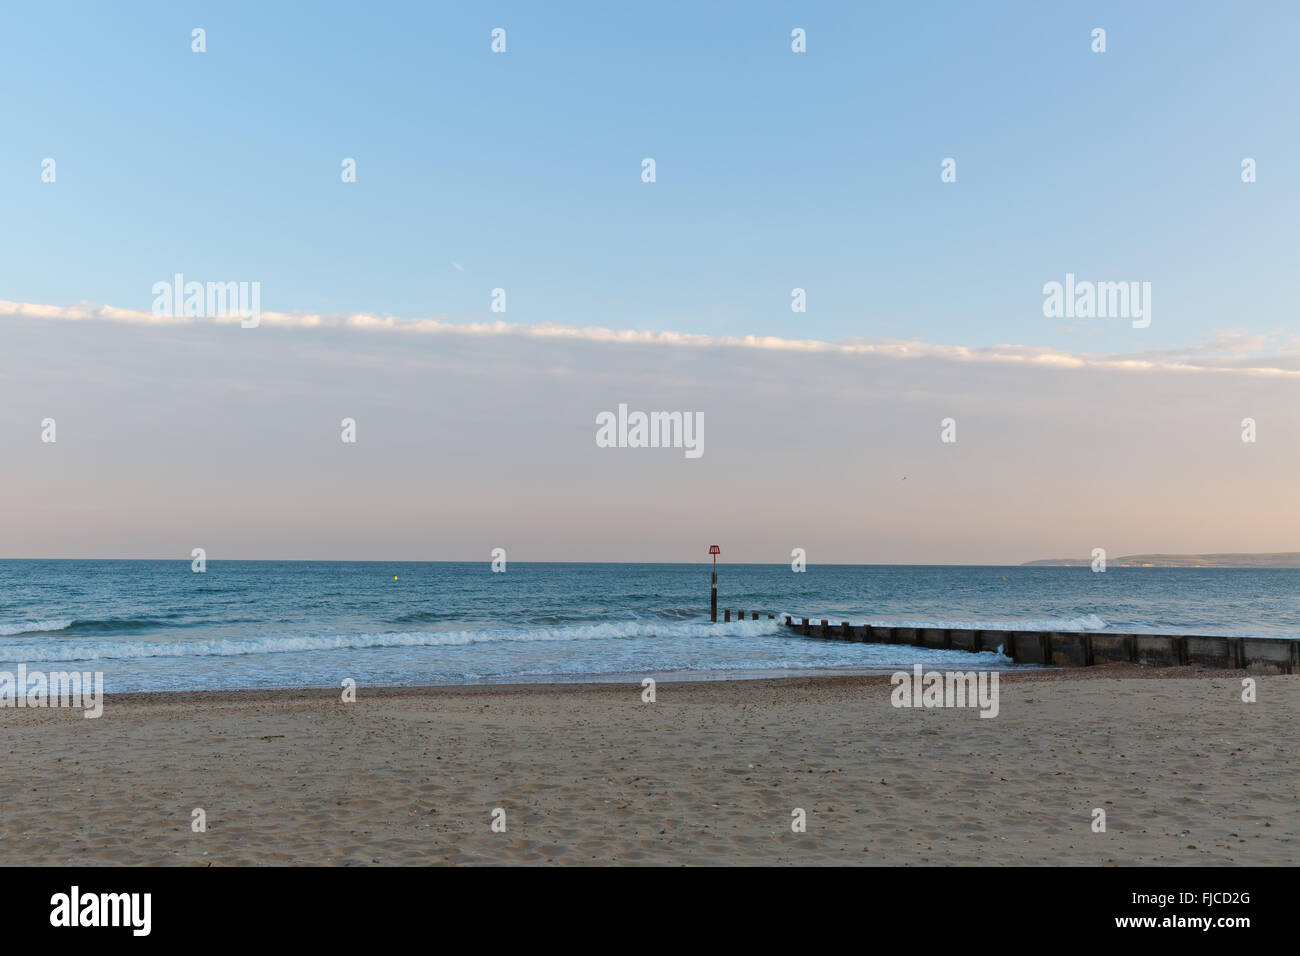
{"x": 162, "y": 626}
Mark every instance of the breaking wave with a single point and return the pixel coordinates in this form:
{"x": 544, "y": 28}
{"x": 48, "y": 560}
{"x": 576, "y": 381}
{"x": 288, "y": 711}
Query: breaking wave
{"x": 34, "y": 627}
{"x": 74, "y": 650}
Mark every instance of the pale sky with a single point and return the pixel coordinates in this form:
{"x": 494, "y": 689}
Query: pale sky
{"x": 195, "y": 434}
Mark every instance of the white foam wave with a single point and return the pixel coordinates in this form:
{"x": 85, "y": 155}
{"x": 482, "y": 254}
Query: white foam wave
{"x": 125, "y": 650}
{"x": 34, "y": 627}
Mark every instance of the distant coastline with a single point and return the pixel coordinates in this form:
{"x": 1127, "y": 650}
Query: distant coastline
{"x": 1275, "y": 559}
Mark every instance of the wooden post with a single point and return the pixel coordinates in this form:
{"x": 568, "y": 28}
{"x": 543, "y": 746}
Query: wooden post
{"x": 713, "y": 591}
{"x": 726, "y": 616}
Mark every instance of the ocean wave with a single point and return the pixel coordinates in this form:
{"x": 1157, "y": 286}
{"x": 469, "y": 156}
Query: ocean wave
{"x": 73, "y": 650}
{"x": 34, "y": 627}
{"x": 110, "y": 625}
{"x": 422, "y": 617}
{"x": 95, "y": 625}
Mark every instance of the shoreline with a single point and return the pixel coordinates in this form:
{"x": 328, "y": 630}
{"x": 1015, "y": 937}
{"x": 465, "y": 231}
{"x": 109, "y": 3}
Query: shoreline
{"x": 866, "y": 676}
{"x": 854, "y": 675}
{"x": 601, "y": 680}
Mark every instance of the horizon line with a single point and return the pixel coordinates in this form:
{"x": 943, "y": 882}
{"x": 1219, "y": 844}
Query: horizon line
{"x": 1033, "y": 562}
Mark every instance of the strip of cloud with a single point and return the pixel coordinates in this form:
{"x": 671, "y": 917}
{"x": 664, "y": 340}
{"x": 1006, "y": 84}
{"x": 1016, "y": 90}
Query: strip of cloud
{"x": 1226, "y": 354}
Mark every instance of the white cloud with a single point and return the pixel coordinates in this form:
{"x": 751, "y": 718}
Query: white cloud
{"x": 1228, "y": 352}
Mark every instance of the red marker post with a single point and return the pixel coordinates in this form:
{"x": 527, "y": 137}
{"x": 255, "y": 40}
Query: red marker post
{"x": 713, "y": 595}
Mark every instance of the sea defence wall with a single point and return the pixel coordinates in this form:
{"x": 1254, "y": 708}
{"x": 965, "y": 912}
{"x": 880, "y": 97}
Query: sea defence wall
{"x": 1069, "y": 648}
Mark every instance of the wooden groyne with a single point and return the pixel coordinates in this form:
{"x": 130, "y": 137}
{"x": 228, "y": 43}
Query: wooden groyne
{"x": 1070, "y": 648}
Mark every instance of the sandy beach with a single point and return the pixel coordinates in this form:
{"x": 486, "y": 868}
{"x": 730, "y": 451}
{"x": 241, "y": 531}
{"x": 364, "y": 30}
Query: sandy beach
{"x": 708, "y": 774}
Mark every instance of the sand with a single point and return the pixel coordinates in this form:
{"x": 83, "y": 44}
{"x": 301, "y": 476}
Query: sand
{"x": 708, "y": 774}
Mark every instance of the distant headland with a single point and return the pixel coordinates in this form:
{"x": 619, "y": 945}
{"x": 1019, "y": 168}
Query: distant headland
{"x": 1275, "y": 559}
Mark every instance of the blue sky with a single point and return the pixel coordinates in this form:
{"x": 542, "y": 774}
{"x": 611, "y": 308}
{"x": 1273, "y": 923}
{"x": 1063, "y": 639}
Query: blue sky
{"x": 775, "y": 170}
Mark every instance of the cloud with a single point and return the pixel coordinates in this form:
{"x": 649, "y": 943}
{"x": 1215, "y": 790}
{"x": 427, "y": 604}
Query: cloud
{"x": 1228, "y": 352}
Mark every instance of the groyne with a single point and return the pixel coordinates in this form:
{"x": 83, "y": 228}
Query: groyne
{"x": 1068, "y": 648}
